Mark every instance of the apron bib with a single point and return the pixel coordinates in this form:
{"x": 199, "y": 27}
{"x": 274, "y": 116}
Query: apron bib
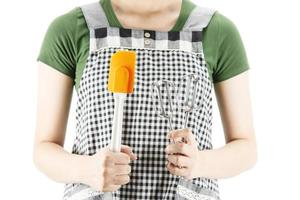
{"x": 160, "y": 55}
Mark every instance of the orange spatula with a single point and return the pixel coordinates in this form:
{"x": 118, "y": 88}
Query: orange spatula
{"x": 120, "y": 82}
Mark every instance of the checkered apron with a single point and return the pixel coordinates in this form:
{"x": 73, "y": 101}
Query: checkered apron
{"x": 160, "y": 55}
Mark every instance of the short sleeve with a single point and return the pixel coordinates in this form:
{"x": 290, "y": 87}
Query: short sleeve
{"x": 58, "y": 48}
{"x": 231, "y": 55}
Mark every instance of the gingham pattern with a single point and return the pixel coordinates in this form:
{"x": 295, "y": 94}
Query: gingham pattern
{"x": 143, "y": 130}
{"x": 115, "y": 37}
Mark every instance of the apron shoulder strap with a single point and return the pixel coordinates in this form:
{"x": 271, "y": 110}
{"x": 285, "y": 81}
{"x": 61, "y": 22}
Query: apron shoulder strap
{"x": 94, "y": 15}
{"x": 199, "y": 18}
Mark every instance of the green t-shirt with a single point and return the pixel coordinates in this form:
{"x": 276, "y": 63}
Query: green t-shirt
{"x": 66, "y": 44}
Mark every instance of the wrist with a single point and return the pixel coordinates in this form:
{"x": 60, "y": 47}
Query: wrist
{"x": 201, "y": 163}
{"x": 80, "y": 167}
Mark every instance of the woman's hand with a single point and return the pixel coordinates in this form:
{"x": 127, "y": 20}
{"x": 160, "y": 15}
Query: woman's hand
{"x": 238, "y": 155}
{"x": 107, "y": 171}
{"x": 183, "y": 157}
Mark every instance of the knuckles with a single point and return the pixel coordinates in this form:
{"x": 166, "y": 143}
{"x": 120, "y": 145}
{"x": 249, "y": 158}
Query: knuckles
{"x": 105, "y": 173}
{"x": 127, "y": 179}
{"x": 180, "y": 146}
{"x": 127, "y": 158}
{"x": 105, "y": 179}
{"x": 128, "y": 169}
{"x": 177, "y": 160}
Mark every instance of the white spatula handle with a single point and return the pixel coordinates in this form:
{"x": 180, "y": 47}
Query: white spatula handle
{"x": 117, "y": 122}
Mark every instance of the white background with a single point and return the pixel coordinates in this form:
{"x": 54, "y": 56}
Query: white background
{"x": 270, "y": 31}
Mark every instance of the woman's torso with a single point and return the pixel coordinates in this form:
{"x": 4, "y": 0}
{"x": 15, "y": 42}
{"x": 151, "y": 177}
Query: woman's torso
{"x": 168, "y": 55}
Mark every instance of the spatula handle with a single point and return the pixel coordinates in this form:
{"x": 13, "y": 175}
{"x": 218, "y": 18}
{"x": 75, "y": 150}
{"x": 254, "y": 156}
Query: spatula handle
{"x": 117, "y": 122}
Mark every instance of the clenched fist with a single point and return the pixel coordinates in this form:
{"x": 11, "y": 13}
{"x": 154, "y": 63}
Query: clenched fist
{"x": 107, "y": 171}
{"x": 183, "y": 155}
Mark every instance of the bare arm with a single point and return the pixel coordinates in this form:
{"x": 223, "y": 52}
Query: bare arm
{"x": 54, "y": 98}
{"x": 104, "y": 171}
{"x": 239, "y": 153}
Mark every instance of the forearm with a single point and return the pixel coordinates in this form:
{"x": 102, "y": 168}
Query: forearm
{"x": 58, "y": 164}
{"x": 227, "y": 161}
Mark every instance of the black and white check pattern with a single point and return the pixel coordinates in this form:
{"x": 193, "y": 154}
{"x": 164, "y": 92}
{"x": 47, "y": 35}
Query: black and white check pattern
{"x": 116, "y": 37}
{"x": 169, "y": 56}
{"x": 143, "y": 130}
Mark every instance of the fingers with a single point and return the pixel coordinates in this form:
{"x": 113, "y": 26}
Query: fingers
{"x": 112, "y": 168}
{"x": 124, "y": 156}
{"x": 121, "y": 174}
{"x": 179, "y": 160}
{"x": 178, "y": 139}
{"x": 184, "y": 134}
{"x": 122, "y": 169}
{"x": 179, "y": 148}
{"x": 120, "y": 158}
{"x": 184, "y": 172}
{"x": 128, "y": 150}
{"x": 121, "y": 179}
{"x": 111, "y": 188}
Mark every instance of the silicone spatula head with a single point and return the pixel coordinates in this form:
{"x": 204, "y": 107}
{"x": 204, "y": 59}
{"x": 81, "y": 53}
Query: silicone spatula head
{"x": 121, "y": 72}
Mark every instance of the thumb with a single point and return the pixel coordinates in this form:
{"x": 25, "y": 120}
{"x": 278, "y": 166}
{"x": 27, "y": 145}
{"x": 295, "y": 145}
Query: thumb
{"x": 128, "y": 150}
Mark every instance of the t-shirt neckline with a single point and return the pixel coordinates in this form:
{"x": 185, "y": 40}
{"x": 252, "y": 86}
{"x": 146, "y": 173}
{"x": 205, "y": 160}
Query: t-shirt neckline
{"x": 185, "y": 10}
